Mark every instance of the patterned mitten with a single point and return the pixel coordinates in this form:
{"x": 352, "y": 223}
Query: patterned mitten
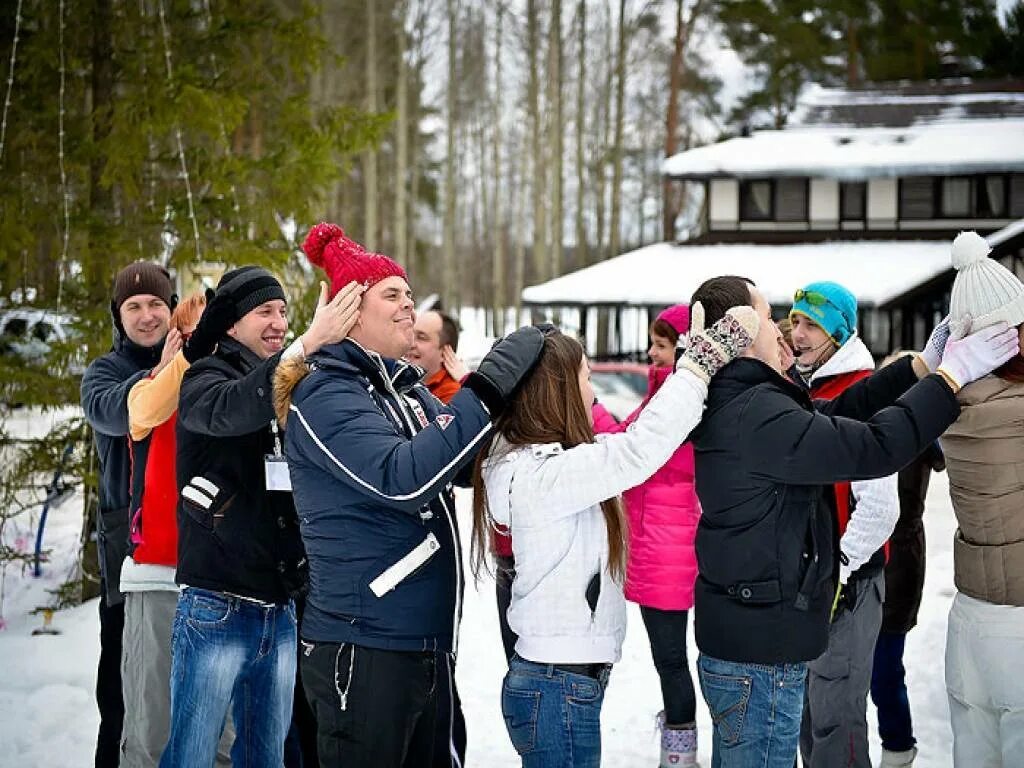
{"x": 706, "y": 351}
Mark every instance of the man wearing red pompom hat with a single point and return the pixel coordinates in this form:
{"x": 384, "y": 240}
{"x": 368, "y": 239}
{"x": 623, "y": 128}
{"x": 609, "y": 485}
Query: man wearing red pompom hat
{"x": 372, "y": 455}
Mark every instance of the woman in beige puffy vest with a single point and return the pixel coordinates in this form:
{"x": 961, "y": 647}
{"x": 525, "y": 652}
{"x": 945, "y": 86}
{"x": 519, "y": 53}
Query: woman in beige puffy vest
{"x": 985, "y": 461}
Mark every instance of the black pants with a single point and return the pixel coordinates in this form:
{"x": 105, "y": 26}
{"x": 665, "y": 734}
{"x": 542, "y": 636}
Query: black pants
{"x": 300, "y": 744}
{"x": 108, "y": 683}
{"x": 504, "y": 573}
{"x": 667, "y": 633}
{"x": 372, "y": 707}
{"x": 450, "y": 736}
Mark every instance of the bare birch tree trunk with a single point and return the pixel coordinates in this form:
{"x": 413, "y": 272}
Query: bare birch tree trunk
{"x": 536, "y": 150}
{"x": 581, "y": 230}
{"x": 498, "y": 266}
{"x": 555, "y": 137}
{"x": 370, "y": 155}
{"x": 449, "y": 288}
{"x": 402, "y": 144}
{"x": 615, "y": 233}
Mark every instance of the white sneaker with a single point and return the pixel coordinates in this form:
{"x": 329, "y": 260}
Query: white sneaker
{"x": 898, "y": 759}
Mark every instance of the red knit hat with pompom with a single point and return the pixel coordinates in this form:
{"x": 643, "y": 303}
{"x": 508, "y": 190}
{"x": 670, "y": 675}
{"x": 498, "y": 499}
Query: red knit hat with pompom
{"x": 345, "y": 260}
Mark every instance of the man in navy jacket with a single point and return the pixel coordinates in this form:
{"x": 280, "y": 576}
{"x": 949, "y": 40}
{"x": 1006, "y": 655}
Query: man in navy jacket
{"x": 372, "y": 455}
{"x": 141, "y": 309}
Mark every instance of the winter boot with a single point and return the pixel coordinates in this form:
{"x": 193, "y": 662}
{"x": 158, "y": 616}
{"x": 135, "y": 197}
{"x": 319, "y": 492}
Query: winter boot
{"x": 898, "y": 759}
{"x": 678, "y": 745}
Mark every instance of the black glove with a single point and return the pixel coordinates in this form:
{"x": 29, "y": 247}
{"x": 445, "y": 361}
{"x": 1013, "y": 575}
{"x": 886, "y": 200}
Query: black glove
{"x": 505, "y": 366}
{"x": 845, "y": 599}
{"x": 220, "y": 314}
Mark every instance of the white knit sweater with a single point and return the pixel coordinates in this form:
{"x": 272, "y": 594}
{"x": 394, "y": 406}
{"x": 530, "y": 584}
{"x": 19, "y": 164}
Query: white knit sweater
{"x": 550, "y": 499}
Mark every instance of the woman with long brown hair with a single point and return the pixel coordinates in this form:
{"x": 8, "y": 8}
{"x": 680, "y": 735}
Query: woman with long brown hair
{"x": 546, "y": 478}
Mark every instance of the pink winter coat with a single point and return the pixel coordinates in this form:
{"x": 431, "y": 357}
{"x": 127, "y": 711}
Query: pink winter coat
{"x": 662, "y": 516}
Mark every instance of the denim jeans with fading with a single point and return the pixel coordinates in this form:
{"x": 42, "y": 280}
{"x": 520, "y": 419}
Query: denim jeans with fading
{"x": 230, "y": 652}
{"x": 756, "y": 711}
{"x": 553, "y": 717}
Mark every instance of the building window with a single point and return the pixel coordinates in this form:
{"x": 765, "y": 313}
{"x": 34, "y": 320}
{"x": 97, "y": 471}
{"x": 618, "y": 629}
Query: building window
{"x": 990, "y": 197}
{"x": 955, "y": 198}
{"x": 1017, "y": 196}
{"x": 791, "y": 200}
{"x": 917, "y": 198}
{"x": 852, "y": 200}
{"x": 756, "y": 200}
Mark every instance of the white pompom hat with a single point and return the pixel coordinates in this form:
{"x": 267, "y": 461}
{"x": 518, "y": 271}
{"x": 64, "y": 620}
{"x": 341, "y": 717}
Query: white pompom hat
{"x": 983, "y": 289}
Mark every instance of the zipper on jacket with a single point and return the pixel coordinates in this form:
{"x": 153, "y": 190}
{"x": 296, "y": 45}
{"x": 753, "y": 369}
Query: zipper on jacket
{"x": 449, "y": 515}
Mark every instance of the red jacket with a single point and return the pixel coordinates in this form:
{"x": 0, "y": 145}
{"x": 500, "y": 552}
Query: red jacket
{"x": 154, "y": 527}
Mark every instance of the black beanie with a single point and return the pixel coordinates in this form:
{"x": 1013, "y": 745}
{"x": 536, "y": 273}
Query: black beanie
{"x": 142, "y": 277}
{"x": 249, "y": 287}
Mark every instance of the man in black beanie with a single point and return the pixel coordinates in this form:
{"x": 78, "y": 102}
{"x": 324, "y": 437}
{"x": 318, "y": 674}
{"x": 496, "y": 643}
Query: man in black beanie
{"x": 240, "y": 557}
{"x": 140, "y": 308}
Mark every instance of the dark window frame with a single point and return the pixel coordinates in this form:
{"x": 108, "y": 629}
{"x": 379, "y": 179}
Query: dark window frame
{"x": 745, "y": 185}
{"x": 807, "y": 201}
{"x": 844, "y": 190}
{"x": 975, "y": 180}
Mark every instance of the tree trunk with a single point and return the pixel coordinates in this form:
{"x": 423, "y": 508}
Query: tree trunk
{"x": 98, "y": 266}
{"x": 555, "y": 137}
{"x": 602, "y": 118}
{"x": 615, "y": 233}
{"x": 498, "y": 265}
{"x": 581, "y": 228}
{"x": 852, "y": 53}
{"x": 518, "y": 209}
{"x": 536, "y": 149}
{"x": 670, "y": 203}
{"x": 449, "y": 288}
{"x": 402, "y": 143}
{"x": 370, "y": 155}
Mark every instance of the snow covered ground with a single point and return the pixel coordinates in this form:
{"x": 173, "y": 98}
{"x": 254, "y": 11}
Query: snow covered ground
{"x": 48, "y": 717}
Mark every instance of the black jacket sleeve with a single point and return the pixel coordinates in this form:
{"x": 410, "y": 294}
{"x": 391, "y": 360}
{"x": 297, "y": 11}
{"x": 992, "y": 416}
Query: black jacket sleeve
{"x": 216, "y": 401}
{"x": 105, "y": 396}
{"x": 868, "y": 396}
{"x": 788, "y": 444}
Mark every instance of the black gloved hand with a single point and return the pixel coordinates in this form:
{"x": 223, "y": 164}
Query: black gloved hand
{"x": 505, "y": 366}
{"x": 217, "y": 318}
{"x": 845, "y": 599}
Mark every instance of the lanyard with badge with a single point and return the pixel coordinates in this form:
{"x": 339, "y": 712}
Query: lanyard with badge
{"x": 276, "y": 466}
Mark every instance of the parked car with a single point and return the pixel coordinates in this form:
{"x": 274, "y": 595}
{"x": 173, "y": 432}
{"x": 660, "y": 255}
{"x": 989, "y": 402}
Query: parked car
{"x": 28, "y": 334}
{"x": 619, "y": 386}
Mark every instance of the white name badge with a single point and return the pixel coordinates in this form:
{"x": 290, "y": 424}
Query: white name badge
{"x": 278, "y": 478}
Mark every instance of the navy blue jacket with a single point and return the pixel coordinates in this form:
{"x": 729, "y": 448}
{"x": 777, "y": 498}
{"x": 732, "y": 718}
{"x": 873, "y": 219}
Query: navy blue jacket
{"x": 104, "y": 394}
{"x": 766, "y": 545}
{"x": 372, "y": 455}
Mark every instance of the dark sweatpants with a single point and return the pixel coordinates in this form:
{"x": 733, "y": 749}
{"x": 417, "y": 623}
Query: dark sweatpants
{"x": 834, "y": 733}
{"x": 372, "y": 707}
{"x": 109, "y": 697}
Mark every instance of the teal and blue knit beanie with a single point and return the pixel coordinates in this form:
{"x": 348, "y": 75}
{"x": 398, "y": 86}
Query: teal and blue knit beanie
{"x": 830, "y": 306}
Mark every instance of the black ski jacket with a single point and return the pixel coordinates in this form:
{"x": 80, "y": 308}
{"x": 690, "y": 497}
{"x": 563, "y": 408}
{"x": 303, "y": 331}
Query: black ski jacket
{"x": 766, "y": 457}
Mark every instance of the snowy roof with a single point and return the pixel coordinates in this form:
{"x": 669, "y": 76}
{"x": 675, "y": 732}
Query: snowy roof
{"x": 875, "y": 271}
{"x": 966, "y": 146}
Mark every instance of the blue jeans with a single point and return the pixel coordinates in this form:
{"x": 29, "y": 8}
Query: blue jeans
{"x": 553, "y": 717}
{"x": 230, "y": 651}
{"x": 889, "y": 692}
{"x": 756, "y": 711}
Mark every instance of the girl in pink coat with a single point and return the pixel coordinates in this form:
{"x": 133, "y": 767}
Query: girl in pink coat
{"x": 661, "y": 570}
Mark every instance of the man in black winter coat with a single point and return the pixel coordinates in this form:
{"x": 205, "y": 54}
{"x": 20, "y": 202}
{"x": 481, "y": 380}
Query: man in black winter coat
{"x": 141, "y": 309}
{"x": 766, "y": 545}
{"x": 240, "y": 558}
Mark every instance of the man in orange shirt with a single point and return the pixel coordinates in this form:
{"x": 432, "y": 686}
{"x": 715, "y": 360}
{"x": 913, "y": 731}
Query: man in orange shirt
{"x": 436, "y": 342}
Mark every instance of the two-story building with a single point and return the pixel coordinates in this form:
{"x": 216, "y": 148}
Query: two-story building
{"x": 865, "y": 187}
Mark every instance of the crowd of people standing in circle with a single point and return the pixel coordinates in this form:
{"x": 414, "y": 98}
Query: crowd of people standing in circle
{"x": 283, "y": 565}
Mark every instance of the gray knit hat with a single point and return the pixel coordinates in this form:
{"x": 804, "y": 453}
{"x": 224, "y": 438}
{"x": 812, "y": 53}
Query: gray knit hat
{"x": 984, "y": 288}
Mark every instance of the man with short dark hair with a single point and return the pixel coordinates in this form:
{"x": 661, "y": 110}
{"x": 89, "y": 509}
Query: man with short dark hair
{"x": 766, "y": 457}
{"x": 435, "y": 342}
{"x": 140, "y": 309}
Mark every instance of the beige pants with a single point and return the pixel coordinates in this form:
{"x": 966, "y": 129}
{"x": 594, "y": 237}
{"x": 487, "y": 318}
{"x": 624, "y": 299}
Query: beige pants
{"x": 985, "y": 683}
{"x": 146, "y": 681}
